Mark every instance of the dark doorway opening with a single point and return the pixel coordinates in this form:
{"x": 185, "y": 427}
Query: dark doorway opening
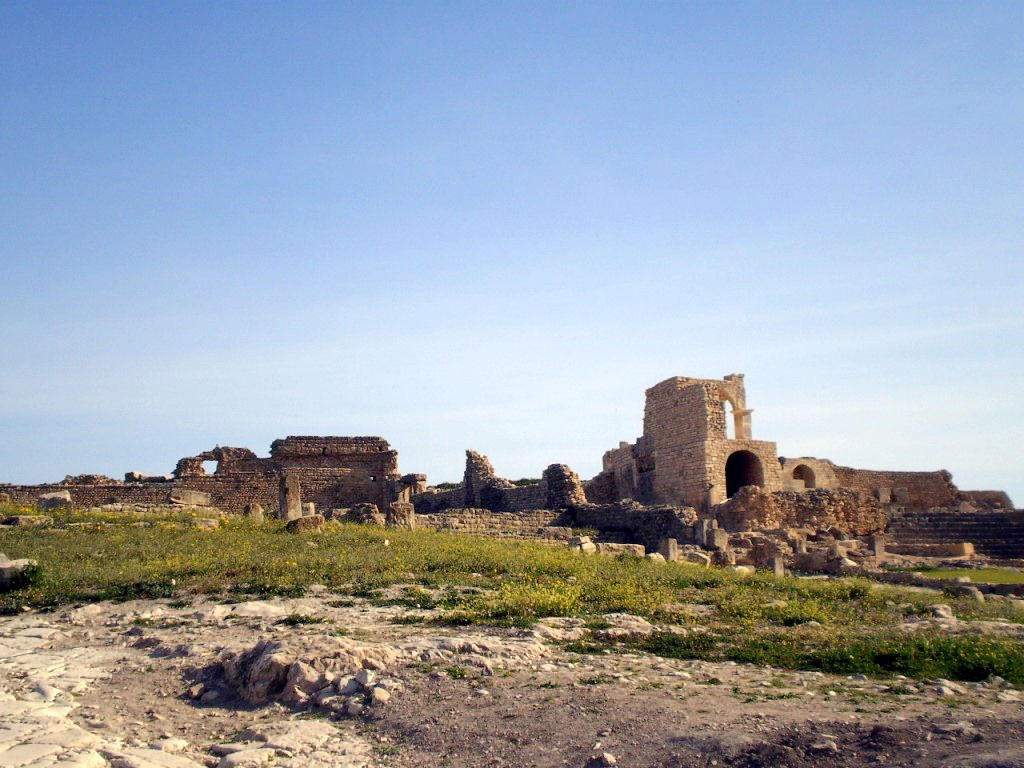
{"x": 806, "y": 474}
{"x": 742, "y": 468}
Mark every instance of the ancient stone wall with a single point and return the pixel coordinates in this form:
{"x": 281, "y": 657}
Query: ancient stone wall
{"x": 481, "y": 488}
{"x": 520, "y": 524}
{"x": 807, "y": 472}
{"x": 332, "y": 472}
{"x": 751, "y": 509}
{"x": 685, "y": 454}
{"x": 633, "y": 523}
{"x": 622, "y": 522}
{"x": 988, "y": 499}
{"x": 917, "y": 489}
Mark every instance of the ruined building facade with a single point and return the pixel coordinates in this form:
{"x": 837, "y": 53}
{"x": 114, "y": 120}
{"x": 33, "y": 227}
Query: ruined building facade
{"x": 698, "y": 450}
{"x": 330, "y": 471}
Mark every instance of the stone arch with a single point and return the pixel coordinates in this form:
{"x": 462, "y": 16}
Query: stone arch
{"x": 742, "y": 468}
{"x": 804, "y": 473}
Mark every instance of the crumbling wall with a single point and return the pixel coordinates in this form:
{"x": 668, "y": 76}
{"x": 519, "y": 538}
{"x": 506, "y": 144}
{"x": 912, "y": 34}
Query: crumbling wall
{"x": 922, "y": 489}
{"x": 988, "y": 499}
{"x": 753, "y": 509}
{"x": 807, "y": 472}
{"x": 635, "y": 523}
{"x": 482, "y": 488}
{"x": 683, "y": 454}
{"x": 562, "y": 487}
{"x": 332, "y": 472}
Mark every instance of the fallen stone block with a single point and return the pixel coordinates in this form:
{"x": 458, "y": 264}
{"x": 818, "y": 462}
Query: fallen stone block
{"x": 30, "y": 520}
{"x": 188, "y": 498}
{"x": 16, "y": 574}
{"x": 612, "y": 548}
{"x": 960, "y": 549}
{"x": 306, "y": 524}
{"x": 367, "y": 514}
{"x": 254, "y": 512}
{"x": 669, "y": 548}
{"x": 401, "y": 514}
{"x": 55, "y": 500}
{"x": 698, "y": 558}
{"x": 815, "y": 561}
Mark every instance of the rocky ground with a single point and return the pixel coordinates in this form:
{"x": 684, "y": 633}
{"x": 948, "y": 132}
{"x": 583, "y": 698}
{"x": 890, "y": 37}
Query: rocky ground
{"x": 205, "y": 683}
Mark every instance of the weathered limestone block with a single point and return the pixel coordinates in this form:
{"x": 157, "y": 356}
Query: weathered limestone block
{"x": 669, "y": 549}
{"x": 401, "y": 514}
{"x": 559, "y": 532}
{"x": 366, "y": 513}
{"x": 5, "y": 498}
{"x": 55, "y": 500}
{"x": 564, "y": 487}
{"x": 189, "y": 498}
{"x": 702, "y": 530}
{"x": 306, "y": 524}
{"x": 582, "y": 544}
{"x": 613, "y": 548}
{"x": 31, "y": 520}
{"x": 697, "y": 558}
{"x": 254, "y": 512}
{"x": 15, "y": 574}
{"x": 779, "y": 565}
{"x": 723, "y": 557}
{"x": 308, "y": 508}
{"x": 815, "y": 561}
{"x": 289, "y": 498}
{"x": 718, "y": 540}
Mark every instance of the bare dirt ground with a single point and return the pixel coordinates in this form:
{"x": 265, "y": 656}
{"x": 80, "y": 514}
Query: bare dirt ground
{"x": 149, "y": 691}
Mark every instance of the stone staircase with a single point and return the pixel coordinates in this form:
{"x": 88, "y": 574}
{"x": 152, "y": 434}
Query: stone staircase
{"x": 993, "y": 533}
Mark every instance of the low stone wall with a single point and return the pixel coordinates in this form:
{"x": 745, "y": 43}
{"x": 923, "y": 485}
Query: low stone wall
{"x": 636, "y": 524}
{"x": 432, "y": 501}
{"x": 529, "y": 524}
{"x": 753, "y": 508}
{"x": 625, "y": 522}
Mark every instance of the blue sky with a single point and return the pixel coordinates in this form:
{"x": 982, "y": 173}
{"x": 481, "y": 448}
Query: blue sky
{"x": 493, "y": 225}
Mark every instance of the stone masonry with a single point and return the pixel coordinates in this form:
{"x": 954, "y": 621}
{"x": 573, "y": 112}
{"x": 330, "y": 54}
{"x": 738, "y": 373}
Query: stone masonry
{"x": 326, "y": 471}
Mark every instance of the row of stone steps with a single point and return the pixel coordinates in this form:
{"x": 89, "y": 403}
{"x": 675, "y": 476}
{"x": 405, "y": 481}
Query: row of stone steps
{"x": 998, "y": 534}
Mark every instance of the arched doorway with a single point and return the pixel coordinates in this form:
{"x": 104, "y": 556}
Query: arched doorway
{"x": 806, "y": 475}
{"x": 742, "y": 468}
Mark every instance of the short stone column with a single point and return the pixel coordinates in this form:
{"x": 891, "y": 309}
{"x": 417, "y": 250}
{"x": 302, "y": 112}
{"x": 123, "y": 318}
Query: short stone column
{"x": 779, "y": 565}
{"x": 289, "y": 498}
{"x": 878, "y": 545}
{"x": 669, "y": 549}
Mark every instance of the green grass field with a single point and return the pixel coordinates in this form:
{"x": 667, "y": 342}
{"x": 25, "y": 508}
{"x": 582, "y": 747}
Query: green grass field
{"x": 787, "y": 622}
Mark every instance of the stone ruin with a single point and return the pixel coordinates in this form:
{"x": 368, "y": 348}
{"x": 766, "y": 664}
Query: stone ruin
{"x": 328, "y": 472}
{"x": 695, "y": 485}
